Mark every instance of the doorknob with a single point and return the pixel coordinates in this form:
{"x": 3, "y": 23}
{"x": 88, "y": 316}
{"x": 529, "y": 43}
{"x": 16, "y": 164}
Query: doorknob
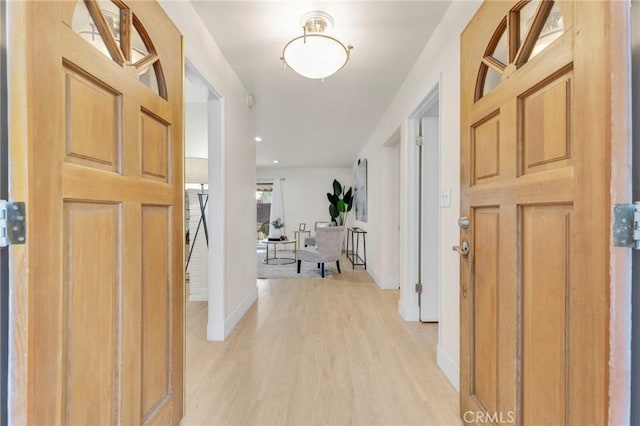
{"x": 462, "y": 249}
{"x": 463, "y": 222}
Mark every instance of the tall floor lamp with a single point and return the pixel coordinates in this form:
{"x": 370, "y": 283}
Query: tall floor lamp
{"x": 196, "y": 171}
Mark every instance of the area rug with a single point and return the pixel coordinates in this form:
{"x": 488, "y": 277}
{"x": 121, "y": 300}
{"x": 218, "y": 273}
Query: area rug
{"x": 307, "y": 270}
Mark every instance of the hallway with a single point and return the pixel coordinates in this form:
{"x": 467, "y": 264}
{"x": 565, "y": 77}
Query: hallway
{"x": 315, "y": 351}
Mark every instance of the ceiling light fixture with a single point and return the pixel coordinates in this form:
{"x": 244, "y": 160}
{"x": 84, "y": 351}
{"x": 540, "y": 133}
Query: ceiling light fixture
{"x": 275, "y": 161}
{"x": 313, "y": 54}
{"x": 258, "y": 139}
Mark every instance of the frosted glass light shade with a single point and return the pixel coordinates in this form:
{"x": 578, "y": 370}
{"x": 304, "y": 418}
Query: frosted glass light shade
{"x": 315, "y": 56}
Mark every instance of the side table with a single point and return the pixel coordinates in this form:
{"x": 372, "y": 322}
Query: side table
{"x": 296, "y": 235}
{"x": 354, "y": 257}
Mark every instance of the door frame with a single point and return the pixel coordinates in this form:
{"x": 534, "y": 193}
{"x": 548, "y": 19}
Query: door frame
{"x": 216, "y": 220}
{"x": 409, "y": 253}
{"x": 18, "y": 184}
{"x": 635, "y": 303}
{"x": 621, "y": 192}
{"x": 4, "y": 194}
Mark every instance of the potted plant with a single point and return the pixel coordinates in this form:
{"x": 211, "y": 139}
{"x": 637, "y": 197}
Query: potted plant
{"x": 341, "y": 202}
{"x": 276, "y": 231}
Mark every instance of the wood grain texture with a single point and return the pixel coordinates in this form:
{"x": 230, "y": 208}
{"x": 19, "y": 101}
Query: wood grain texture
{"x": 559, "y": 106}
{"x": 82, "y": 337}
{"x": 545, "y": 127}
{"x": 546, "y": 234}
{"x": 156, "y": 309}
{"x": 484, "y": 290}
{"x": 87, "y": 101}
{"x": 316, "y": 352}
{"x": 91, "y": 329}
{"x": 19, "y": 256}
{"x": 486, "y": 149}
{"x": 156, "y": 154}
{"x": 620, "y": 268}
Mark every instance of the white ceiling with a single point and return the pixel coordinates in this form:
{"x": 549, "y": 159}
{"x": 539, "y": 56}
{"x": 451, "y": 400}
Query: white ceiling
{"x": 309, "y": 123}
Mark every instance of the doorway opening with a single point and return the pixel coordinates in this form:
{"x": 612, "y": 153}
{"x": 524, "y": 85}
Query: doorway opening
{"x": 204, "y": 167}
{"x": 264, "y": 194}
{"x": 423, "y": 215}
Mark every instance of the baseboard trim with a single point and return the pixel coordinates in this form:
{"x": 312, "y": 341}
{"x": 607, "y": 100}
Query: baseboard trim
{"x": 219, "y": 332}
{"x": 383, "y": 284}
{"x": 240, "y": 311}
{"x": 408, "y": 313}
{"x": 449, "y": 367}
{"x": 215, "y": 332}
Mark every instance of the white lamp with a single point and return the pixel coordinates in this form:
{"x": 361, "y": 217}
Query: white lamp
{"x": 313, "y": 54}
{"x": 196, "y": 170}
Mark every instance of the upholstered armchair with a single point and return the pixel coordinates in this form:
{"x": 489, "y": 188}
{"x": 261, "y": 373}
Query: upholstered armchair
{"x": 311, "y": 241}
{"x": 328, "y": 248}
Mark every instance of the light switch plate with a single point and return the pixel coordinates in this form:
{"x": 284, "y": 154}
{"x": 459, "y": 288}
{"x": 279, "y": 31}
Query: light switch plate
{"x": 445, "y": 197}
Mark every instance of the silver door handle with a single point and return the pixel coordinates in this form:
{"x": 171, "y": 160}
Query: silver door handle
{"x": 463, "y": 249}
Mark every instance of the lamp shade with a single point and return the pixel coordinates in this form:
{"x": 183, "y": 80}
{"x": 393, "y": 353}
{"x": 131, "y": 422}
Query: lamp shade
{"x": 315, "y": 56}
{"x": 196, "y": 170}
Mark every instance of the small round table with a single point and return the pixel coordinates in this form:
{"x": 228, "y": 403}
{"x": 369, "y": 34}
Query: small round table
{"x": 275, "y": 260}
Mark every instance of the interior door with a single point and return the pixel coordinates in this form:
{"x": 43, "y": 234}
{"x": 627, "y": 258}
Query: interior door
{"x": 541, "y": 84}
{"x": 430, "y": 219}
{"x": 102, "y": 143}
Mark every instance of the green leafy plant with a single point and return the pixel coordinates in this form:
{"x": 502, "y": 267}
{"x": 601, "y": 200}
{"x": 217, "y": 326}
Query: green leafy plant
{"x": 277, "y": 223}
{"x": 341, "y": 202}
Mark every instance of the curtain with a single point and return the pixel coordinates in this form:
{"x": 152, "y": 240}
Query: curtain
{"x": 277, "y": 209}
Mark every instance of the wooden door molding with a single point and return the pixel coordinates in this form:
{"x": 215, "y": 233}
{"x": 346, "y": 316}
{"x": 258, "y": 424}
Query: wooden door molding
{"x": 544, "y": 154}
{"x": 97, "y": 153}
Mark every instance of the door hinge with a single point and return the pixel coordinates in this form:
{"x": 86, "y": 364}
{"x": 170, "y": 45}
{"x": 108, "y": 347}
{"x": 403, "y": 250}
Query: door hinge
{"x": 12, "y": 223}
{"x": 626, "y": 225}
{"x": 418, "y": 287}
{"x": 419, "y": 141}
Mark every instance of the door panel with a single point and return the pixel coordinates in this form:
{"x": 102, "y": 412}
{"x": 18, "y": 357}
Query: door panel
{"x": 485, "y": 302}
{"x": 156, "y": 321}
{"x": 545, "y": 270}
{"x": 544, "y": 125}
{"x": 105, "y": 265}
{"x": 155, "y": 146}
{"x": 91, "y": 312}
{"x": 88, "y": 100}
{"x": 536, "y": 169}
{"x": 485, "y": 144}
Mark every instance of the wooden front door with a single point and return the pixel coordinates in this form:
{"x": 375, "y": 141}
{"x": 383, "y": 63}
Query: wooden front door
{"x": 539, "y": 85}
{"x": 101, "y": 322}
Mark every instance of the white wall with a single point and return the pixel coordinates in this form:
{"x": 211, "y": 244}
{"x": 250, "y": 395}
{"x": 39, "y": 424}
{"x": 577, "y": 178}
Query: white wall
{"x": 304, "y": 193}
{"x": 439, "y": 61}
{"x": 195, "y": 129}
{"x": 386, "y": 271}
{"x": 238, "y": 155}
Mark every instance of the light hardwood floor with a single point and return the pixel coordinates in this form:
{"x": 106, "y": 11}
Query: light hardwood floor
{"x": 309, "y": 352}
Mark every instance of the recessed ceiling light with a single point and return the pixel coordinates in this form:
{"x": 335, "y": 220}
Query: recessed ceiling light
{"x": 258, "y": 139}
{"x": 275, "y": 161}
